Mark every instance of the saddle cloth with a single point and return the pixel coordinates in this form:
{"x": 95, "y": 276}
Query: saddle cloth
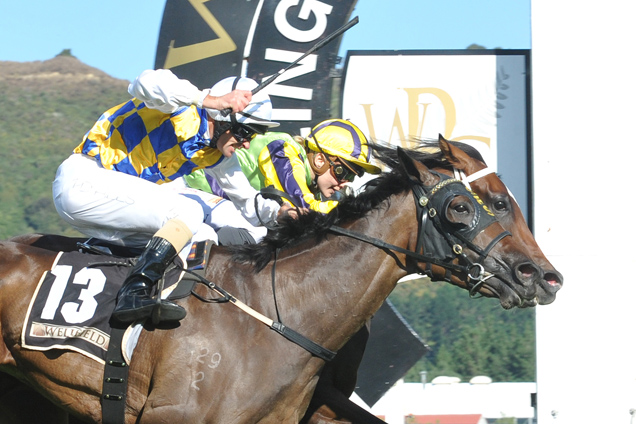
{"x": 73, "y": 302}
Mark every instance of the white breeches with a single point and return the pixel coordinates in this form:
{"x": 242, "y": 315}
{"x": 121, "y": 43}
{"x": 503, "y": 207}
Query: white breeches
{"x": 125, "y": 209}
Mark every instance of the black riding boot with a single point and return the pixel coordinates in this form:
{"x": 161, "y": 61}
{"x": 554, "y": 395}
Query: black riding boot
{"x": 134, "y": 299}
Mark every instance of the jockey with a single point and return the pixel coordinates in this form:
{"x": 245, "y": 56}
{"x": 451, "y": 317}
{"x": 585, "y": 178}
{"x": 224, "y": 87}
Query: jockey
{"x": 113, "y": 185}
{"x": 309, "y": 170}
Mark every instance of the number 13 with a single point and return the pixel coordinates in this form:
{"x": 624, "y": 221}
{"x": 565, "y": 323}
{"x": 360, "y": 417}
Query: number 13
{"x": 74, "y": 313}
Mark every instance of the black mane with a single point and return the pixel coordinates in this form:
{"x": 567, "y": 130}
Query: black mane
{"x": 425, "y": 151}
{"x": 315, "y": 225}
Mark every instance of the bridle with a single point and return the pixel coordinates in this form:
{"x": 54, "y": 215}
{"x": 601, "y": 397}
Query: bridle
{"x": 439, "y": 242}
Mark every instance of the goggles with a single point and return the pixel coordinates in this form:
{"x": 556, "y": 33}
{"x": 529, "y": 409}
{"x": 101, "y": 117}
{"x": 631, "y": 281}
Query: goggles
{"x": 341, "y": 172}
{"x": 242, "y": 133}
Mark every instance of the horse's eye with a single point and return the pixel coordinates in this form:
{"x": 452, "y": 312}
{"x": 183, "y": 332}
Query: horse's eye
{"x": 500, "y": 206}
{"x": 461, "y": 208}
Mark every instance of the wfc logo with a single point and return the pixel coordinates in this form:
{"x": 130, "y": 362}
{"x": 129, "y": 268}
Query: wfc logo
{"x": 423, "y": 113}
{"x": 404, "y": 96}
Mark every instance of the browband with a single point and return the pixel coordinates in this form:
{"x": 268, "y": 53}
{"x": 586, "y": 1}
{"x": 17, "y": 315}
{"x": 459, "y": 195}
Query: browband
{"x": 467, "y": 179}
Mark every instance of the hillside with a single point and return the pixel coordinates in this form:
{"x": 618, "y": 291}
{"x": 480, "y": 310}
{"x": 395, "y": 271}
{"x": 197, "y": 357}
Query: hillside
{"x": 46, "y": 108}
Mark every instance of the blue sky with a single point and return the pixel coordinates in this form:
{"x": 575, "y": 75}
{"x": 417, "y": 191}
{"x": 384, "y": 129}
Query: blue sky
{"x": 120, "y": 37}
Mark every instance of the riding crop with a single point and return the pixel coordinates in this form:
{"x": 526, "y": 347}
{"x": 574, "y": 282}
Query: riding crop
{"x": 316, "y": 47}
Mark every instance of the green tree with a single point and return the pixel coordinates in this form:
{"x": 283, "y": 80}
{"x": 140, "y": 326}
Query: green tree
{"x": 467, "y": 337}
{"x": 65, "y": 52}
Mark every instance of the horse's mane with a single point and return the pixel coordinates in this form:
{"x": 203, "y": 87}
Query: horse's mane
{"x": 425, "y": 151}
{"x": 315, "y": 225}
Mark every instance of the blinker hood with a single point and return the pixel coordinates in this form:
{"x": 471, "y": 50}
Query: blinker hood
{"x": 439, "y": 198}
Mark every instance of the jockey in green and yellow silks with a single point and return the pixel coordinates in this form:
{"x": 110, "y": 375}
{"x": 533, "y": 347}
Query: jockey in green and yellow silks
{"x": 309, "y": 170}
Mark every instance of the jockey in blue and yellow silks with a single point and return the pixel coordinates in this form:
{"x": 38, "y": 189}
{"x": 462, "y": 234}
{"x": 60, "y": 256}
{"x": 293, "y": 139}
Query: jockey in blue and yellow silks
{"x": 112, "y": 186}
{"x": 309, "y": 170}
{"x": 144, "y": 142}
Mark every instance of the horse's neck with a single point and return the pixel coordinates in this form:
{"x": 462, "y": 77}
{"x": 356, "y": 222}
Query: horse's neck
{"x": 327, "y": 290}
{"x": 341, "y": 282}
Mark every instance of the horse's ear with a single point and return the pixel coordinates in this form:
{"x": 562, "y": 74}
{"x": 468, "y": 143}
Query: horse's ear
{"x": 458, "y": 158}
{"x": 416, "y": 170}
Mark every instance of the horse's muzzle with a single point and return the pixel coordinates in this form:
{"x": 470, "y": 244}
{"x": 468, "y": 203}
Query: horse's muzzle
{"x": 537, "y": 285}
{"x": 531, "y": 285}
{"x": 551, "y": 282}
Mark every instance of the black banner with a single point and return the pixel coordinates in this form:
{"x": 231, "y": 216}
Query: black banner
{"x": 205, "y": 41}
{"x": 285, "y": 30}
{"x": 392, "y": 350}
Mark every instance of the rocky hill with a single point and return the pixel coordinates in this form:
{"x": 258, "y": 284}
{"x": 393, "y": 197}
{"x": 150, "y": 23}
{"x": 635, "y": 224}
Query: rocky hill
{"x": 45, "y": 109}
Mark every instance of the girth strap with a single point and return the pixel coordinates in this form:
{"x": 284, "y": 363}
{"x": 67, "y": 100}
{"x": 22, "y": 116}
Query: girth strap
{"x": 115, "y": 382}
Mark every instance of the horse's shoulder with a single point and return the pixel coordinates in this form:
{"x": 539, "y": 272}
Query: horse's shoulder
{"x": 12, "y": 252}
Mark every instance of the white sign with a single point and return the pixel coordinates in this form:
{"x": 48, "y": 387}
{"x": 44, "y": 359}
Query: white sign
{"x": 393, "y": 98}
{"x": 478, "y": 97}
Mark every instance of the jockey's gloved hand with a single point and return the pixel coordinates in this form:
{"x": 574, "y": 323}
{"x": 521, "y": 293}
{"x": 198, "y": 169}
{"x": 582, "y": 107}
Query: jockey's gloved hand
{"x": 347, "y": 191}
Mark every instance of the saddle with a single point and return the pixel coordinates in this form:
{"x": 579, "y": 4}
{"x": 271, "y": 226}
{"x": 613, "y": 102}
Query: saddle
{"x": 197, "y": 258}
{"x": 71, "y": 306}
{"x": 71, "y": 309}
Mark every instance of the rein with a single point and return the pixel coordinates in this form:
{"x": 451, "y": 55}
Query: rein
{"x": 290, "y": 334}
{"x": 387, "y": 246}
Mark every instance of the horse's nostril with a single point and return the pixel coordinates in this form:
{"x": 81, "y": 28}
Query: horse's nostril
{"x": 553, "y": 279}
{"x": 527, "y": 271}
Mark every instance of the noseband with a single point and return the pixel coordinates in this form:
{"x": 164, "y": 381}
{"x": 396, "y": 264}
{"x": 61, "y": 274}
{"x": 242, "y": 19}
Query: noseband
{"x": 440, "y": 242}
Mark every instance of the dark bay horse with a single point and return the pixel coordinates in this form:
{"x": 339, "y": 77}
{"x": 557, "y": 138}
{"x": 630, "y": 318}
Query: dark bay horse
{"x": 331, "y": 399}
{"x": 222, "y": 365}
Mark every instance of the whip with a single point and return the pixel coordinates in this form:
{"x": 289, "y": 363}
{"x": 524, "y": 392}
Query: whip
{"x": 317, "y": 46}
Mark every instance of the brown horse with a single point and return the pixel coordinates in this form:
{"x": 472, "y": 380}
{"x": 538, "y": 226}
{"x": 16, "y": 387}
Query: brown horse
{"x": 338, "y": 379}
{"x": 222, "y": 365}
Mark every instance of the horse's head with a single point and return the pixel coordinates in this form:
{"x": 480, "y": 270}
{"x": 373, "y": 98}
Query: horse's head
{"x": 470, "y": 243}
{"x": 494, "y": 193}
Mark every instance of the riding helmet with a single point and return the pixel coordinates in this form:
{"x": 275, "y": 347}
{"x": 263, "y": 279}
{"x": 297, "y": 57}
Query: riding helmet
{"x": 337, "y": 137}
{"x": 257, "y": 113}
